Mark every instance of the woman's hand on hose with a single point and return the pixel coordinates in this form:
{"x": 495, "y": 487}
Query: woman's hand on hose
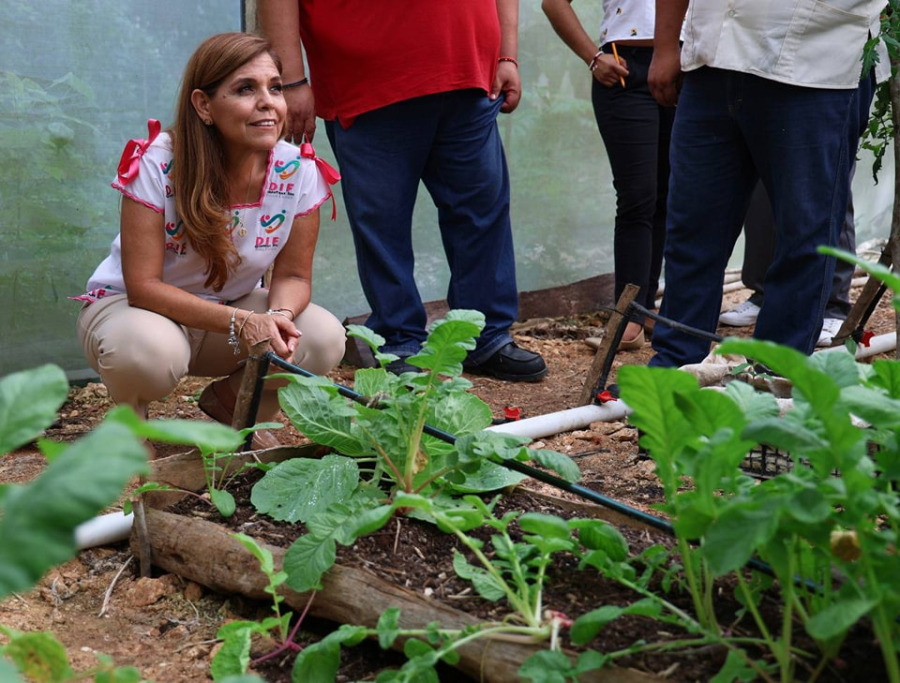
{"x": 279, "y": 330}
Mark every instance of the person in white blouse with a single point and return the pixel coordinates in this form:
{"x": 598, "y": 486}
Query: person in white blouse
{"x": 635, "y": 131}
{"x": 208, "y": 206}
{"x": 769, "y": 90}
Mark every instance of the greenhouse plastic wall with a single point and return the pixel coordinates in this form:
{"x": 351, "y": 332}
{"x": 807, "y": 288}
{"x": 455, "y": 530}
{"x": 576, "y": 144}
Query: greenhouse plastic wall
{"x": 74, "y": 89}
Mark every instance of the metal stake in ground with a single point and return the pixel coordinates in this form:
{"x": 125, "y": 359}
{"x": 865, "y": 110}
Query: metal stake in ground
{"x": 865, "y": 305}
{"x": 603, "y": 359}
{"x": 247, "y": 403}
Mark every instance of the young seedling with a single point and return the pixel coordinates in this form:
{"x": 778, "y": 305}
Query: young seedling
{"x": 234, "y": 656}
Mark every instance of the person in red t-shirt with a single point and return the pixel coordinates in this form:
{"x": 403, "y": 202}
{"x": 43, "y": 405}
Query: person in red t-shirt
{"x": 410, "y": 91}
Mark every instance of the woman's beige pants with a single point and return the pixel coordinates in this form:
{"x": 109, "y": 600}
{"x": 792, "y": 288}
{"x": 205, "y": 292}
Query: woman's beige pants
{"x": 141, "y": 356}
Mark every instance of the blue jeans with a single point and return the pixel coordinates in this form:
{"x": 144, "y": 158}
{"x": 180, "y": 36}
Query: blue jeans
{"x": 732, "y": 128}
{"x": 449, "y": 141}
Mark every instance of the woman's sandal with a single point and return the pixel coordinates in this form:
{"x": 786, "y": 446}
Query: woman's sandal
{"x": 217, "y": 402}
{"x": 624, "y": 345}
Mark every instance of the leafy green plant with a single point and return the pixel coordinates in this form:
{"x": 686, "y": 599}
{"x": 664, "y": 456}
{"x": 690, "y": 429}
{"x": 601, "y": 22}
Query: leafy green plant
{"x": 38, "y": 519}
{"x": 505, "y": 568}
{"x": 828, "y": 527}
{"x": 385, "y": 448}
{"x": 234, "y": 656}
{"x": 217, "y": 445}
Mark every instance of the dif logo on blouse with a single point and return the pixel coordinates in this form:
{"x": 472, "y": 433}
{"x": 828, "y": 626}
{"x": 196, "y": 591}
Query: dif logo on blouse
{"x": 270, "y": 224}
{"x": 285, "y": 171}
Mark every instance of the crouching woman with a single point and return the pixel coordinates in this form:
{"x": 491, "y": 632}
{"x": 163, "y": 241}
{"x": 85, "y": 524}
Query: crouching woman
{"x": 208, "y": 206}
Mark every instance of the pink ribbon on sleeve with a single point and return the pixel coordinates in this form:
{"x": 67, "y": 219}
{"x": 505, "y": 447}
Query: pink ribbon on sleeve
{"x": 329, "y": 173}
{"x": 129, "y": 164}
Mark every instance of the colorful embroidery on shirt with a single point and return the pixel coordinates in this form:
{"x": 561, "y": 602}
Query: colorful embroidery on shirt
{"x": 286, "y": 170}
{"x": 272, "y": 223}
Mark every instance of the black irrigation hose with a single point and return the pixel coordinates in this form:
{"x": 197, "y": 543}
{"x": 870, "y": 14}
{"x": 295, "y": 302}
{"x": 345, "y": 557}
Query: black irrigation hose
{"x": 540, "y": 475}
{"x": 675, "y": 325}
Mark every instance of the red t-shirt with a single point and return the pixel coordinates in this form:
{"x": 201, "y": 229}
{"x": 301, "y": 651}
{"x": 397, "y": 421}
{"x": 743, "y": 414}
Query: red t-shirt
{"x": 366, "y": 54}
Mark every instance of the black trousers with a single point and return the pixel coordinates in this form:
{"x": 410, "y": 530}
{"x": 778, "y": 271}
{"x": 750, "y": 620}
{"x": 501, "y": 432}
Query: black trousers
{"x": 636, "y": 133}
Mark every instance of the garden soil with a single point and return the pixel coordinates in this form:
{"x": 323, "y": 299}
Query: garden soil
{"x": 166, "y": 626}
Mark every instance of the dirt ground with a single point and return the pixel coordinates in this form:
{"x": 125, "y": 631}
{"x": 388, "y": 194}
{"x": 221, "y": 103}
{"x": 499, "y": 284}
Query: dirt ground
{"x": 166, "y": 626}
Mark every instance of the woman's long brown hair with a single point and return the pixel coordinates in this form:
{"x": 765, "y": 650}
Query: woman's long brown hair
{"x": 199, "y": 177}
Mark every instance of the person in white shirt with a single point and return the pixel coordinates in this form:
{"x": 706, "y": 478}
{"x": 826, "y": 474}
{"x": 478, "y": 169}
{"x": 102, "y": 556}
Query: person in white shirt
{"x": 766, "y": 90}
{"x": 208, "y": 206}
{"x": 635, "y": 131}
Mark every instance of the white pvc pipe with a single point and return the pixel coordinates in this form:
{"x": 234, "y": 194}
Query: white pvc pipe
{"x": 103, "y": 530}
{"x": 578, "y": 418}
{"x": 564, "y": 420}
{"x": 116, "y": 526}
{"x": 879, "y": 344}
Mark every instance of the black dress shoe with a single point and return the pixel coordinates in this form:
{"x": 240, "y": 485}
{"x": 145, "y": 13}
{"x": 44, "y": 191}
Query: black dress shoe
{"x": 399, "y": 366}
{"x": 511, "y": 364}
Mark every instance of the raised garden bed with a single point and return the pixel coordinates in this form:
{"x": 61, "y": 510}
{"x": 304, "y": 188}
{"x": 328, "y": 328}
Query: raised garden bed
{"x": 206, "y": 552}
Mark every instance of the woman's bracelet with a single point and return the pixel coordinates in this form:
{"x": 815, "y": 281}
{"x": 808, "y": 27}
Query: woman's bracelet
{"x": 295, "y": 84}
{"x": 508, "y": 59}
{"x": 240, "y": 333}
{"x": 595, "y": 61}
{"x": 286, "y": 312}
{"x": 233, "y": 340}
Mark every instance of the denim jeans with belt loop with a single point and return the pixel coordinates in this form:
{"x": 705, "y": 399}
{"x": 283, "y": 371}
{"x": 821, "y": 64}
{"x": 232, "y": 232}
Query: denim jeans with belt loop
{"x": 730, "y": 129}
{"x": 450, "y": 142}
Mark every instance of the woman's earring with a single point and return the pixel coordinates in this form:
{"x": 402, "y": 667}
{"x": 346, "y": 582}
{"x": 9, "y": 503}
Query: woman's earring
{"x": 207, "y": 122}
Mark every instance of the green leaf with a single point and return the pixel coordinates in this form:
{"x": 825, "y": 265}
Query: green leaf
{"x": 587, "y": 626}
{"x": 734, "y": 669}
{"x": 28, "y": 404}
{"x": 739, "y": 530}
{"x": 486, "y": 585}
{"x": 488, "y": 477}
{"x": 388, "y": 627}
{"x": 39, "y": 656}
{"x": 547, "y": 666}
{"x": 819, "y": 390}
{"x": 210, "y": 437}
{"x": 233, "y": 658}
{"x": 838, "y": 617}
{"x": 650, "y": 394}
{"x": 38, "y": 521}
{"x": 872, "y": 406}
{"x": 460, "y": 413}
{"x": 548, "y": 526}
{"x": 369, "y": 521}
{"x": 596, "y": 534}
{"x": 449, "y": 341}
{"x": 876, "y": 270}
{"x": 563, "y": 465}
{"x": 887, "y": 376}
{"x": 755, "y": 405}
{"x": 809, "y": 506}
{"x": 366, "y": 334}
{"x": 319, "y": 662}
{"x": 841, "y": 368}
{"x": 314, "y": 407}
{"x": 307, "y": 559}
{"x": 373, "y": 382}
{"x": 331, "y": 479}
{"x": 262, "y": 555}
{"x": 224, "y": 501}
{"x": 785, "y": 434}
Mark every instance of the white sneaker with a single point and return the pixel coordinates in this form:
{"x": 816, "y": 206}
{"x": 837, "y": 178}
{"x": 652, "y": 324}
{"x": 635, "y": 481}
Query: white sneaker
{"x": 743, "y": 315}
{"x": 830, "y": 328}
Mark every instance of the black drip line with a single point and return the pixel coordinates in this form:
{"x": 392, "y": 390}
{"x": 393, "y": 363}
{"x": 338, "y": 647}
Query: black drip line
{"x": 545, "y": 477}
